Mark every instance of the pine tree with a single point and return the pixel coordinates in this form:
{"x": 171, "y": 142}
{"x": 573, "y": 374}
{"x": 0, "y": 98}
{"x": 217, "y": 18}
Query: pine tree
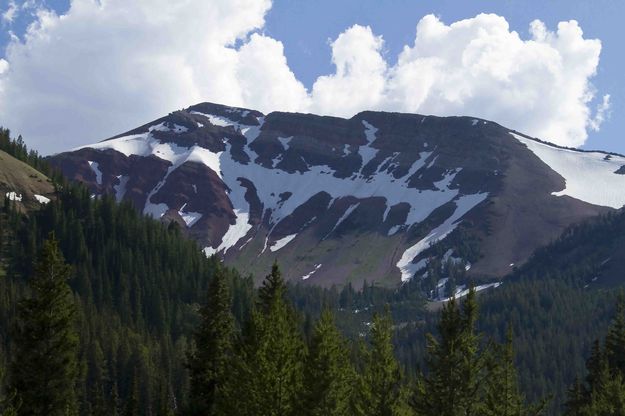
{"x": 608, "y": 396}
{"x": 328, "y": 373}
{"x": 380, "y": 390}
{"x": 268, "y": 373}
{"x": 454, "y": 362}
{"x": 44, "y": 369}
{"x": 208, "y": 363}
{"x": 466, "y": 378}
{"x": 604, "y": 389}
{"x": 272, "y": 289}
{"x": 615, "y": 339}
{"x": 501, "y": 391}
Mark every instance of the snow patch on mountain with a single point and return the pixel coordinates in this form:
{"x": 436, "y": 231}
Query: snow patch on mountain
{"x": 163, "y": 127}
{"x": 284, "y": 141}
{"x": 120, "y": 188}
{"x": 589, "y": 176}
{"x": 343, "y": 217}
{"x": 236, "y": 231}
{"x": 282, "y": 242}
{"x": 367, "y": 153}
{"x": 14, "y": 196}
{"x": 462, "y": 291}
{"x": 42, "y": 199}
{"x": 95, "y": 167}
{"x": 216, "y": 120}
{"x": 270, "y": 183}
{"x": 306, "y": 276}
{"x": 463, "y": 205}
{"x": 189, "y": 218}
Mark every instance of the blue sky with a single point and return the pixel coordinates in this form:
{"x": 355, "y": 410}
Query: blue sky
{"x": 306, "y": 42}
{"x": 306, "y": 30}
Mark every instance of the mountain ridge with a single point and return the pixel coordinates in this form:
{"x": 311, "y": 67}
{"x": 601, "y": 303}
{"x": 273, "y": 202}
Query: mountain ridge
{"x": 340, "y": 200}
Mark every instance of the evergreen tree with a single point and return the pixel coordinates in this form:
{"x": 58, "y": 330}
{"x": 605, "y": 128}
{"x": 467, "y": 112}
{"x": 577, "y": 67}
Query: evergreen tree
{"x": 272, "y": 289}
{"x": 456, "y": 367}
{"x": 44, "y": 369}
{"x": 268, "y": 372}
{"x": 576, "y": 399}
{"x": 608, "y": 396}
{"x": 380, "y": 390}
{"x": 615, "y": 339}
{"x": 208, "y": 364}
{"x": 465, "y": 377}
{"x": 501, "y": 392}
{"x": 328, "y": 373}
{"x": 603, "y": 392}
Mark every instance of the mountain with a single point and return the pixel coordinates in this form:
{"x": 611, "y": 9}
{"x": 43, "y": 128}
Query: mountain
{"x": 22, "y": 184}
{"x": 348, "y": 200}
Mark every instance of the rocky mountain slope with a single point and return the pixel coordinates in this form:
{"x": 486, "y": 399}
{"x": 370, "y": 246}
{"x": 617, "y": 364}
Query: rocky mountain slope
{"x": 347, "y": 200}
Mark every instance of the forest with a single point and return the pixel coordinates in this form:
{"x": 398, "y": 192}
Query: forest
{"x": 104, "y": 311}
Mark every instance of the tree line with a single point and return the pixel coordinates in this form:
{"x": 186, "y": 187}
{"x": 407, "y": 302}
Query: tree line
{"x": 267, "y": 366}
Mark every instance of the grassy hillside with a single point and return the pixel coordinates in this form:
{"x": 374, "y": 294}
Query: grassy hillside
{"x": 16, "y": 176}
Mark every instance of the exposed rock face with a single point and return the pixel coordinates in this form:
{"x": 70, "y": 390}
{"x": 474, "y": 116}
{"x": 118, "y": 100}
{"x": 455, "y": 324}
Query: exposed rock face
{"x": 339, "y": 200}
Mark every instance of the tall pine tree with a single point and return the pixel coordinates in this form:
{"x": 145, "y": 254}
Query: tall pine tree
{"x": 380, "y": 390}
{"x": 501, "y": 391}
{"x": 455, "y": 365}
{"x": 44, "y": 368}
{"x": 328, "y": 373}
{"x": 268, "y": 374}
{"x": 465, "y": 377}
{"x": 603, "y": 392}
{"x": 208, "y": 363}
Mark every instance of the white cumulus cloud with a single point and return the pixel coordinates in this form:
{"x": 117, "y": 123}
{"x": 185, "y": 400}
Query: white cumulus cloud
{"x": 360, "y": 78}
{"x": 107, "y": 66}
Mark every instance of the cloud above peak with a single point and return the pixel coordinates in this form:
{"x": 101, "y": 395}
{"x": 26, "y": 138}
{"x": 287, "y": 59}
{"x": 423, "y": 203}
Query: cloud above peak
{"x": 104, "y": 67}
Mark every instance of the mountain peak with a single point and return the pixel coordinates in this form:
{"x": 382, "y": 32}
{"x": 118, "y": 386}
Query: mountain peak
{"x": 374, "y": 197}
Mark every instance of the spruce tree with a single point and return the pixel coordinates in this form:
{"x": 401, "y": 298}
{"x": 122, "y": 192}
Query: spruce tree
{"x": 328, "y": 373}
{"x": 603, "y": 392}
{"x": 44, "y": 368}
{"x": 501, "y": 391}
{"x": 268, "y": 373}
{"x": 208, "y": 363}
{"x": 272, "y": 289}
{"x": 455, "y": 365}
{"x": 615, "y": 339}
{"x": 380, "y": 391}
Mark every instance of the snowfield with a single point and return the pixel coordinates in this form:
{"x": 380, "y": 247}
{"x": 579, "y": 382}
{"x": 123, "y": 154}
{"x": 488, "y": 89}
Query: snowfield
{"x": 306, "y": 276}
{"x": 589, "y": 176}
{"x": 282, "y": 242}
{"x": 120, "y": 188}
{"x": 270, "y": 183}
{"x": 95, "y": 167}
{"x": 463, "y": 205}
